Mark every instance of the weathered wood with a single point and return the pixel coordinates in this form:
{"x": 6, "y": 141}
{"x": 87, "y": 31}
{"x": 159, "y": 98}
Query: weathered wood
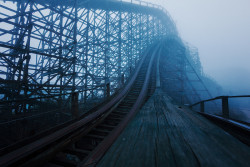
{"x": 165, "y": 134}
{"x": 225, "y": 108}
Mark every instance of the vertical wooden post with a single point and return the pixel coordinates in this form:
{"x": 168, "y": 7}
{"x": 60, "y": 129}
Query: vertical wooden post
{"x": 74, "y": 62}
{"x": 140, "y": 34}
{"x": 27, "y": 57}
{"x": 74, "y": 105}
{"x": 120, "y": 42}
{"x": 61, "y": 55}
{"x": 122, "y": 79}
{"x": 108, "y": 90}
{"x": 86, "y": 58}
{"x": 202, "y": 107}
{"x": 107, "y": 43}
{"x": 147, "y": 35}
{"x": 131, "y": 39}
{"x": 93, "y": 47}
{"x": 225, "y": 108}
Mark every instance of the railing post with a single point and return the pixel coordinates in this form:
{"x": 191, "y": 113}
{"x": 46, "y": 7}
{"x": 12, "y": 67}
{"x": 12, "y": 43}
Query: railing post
{"x": 108, "y": 89}
{"x": 122, "y": 79}
{"x": 202, "y": 107}
{"x": 225, "y": 109}
{"x": 74, "y": 104}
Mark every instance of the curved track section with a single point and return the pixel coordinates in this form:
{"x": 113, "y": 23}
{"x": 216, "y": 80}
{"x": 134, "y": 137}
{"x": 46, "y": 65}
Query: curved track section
{"x": 85, "y": 141}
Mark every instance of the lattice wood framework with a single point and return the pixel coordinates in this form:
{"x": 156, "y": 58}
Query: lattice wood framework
{"x": 51, "y": 49}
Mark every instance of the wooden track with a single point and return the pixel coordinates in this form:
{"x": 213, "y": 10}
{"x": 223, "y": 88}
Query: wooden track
{"x": 161, "y": 134}
{"x": 86, "y": 140}
{"x": 165, "y": 134}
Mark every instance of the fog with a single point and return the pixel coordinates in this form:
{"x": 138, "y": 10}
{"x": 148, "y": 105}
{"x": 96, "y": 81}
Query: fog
{"x": 220, "y": 29}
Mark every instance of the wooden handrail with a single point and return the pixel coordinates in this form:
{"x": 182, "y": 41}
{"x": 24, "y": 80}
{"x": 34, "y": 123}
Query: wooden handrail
{"x": 219, "y": 97}
{"x": 224, "y": 100}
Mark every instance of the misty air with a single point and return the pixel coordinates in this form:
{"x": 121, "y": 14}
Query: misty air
{"x": 124, "y": 83}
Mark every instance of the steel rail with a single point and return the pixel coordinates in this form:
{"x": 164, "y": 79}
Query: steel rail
{"x": 20, "y": 153}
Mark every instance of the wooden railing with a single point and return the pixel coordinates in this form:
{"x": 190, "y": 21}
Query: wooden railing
{"x": 224, "y": 102}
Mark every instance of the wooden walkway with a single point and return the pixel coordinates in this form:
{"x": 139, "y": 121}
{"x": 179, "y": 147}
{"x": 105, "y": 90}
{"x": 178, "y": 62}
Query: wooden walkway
{"x": 164, "y": 134}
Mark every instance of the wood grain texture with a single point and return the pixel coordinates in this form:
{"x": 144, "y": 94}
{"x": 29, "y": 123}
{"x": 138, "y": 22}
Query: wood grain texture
{"x": 164, "y": 134}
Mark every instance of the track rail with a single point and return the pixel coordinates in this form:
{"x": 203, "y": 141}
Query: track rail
{"x": 99, "y": 152}
{"x": 85, "y": 141}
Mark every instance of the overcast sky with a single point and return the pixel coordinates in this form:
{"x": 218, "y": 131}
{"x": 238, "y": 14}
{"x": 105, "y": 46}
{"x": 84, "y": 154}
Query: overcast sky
{"x": 220, "y": 29}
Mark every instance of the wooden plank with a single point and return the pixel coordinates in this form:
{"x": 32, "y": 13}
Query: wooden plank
{"x": 183, "y": 154}
{"x": 165, "y": 134}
